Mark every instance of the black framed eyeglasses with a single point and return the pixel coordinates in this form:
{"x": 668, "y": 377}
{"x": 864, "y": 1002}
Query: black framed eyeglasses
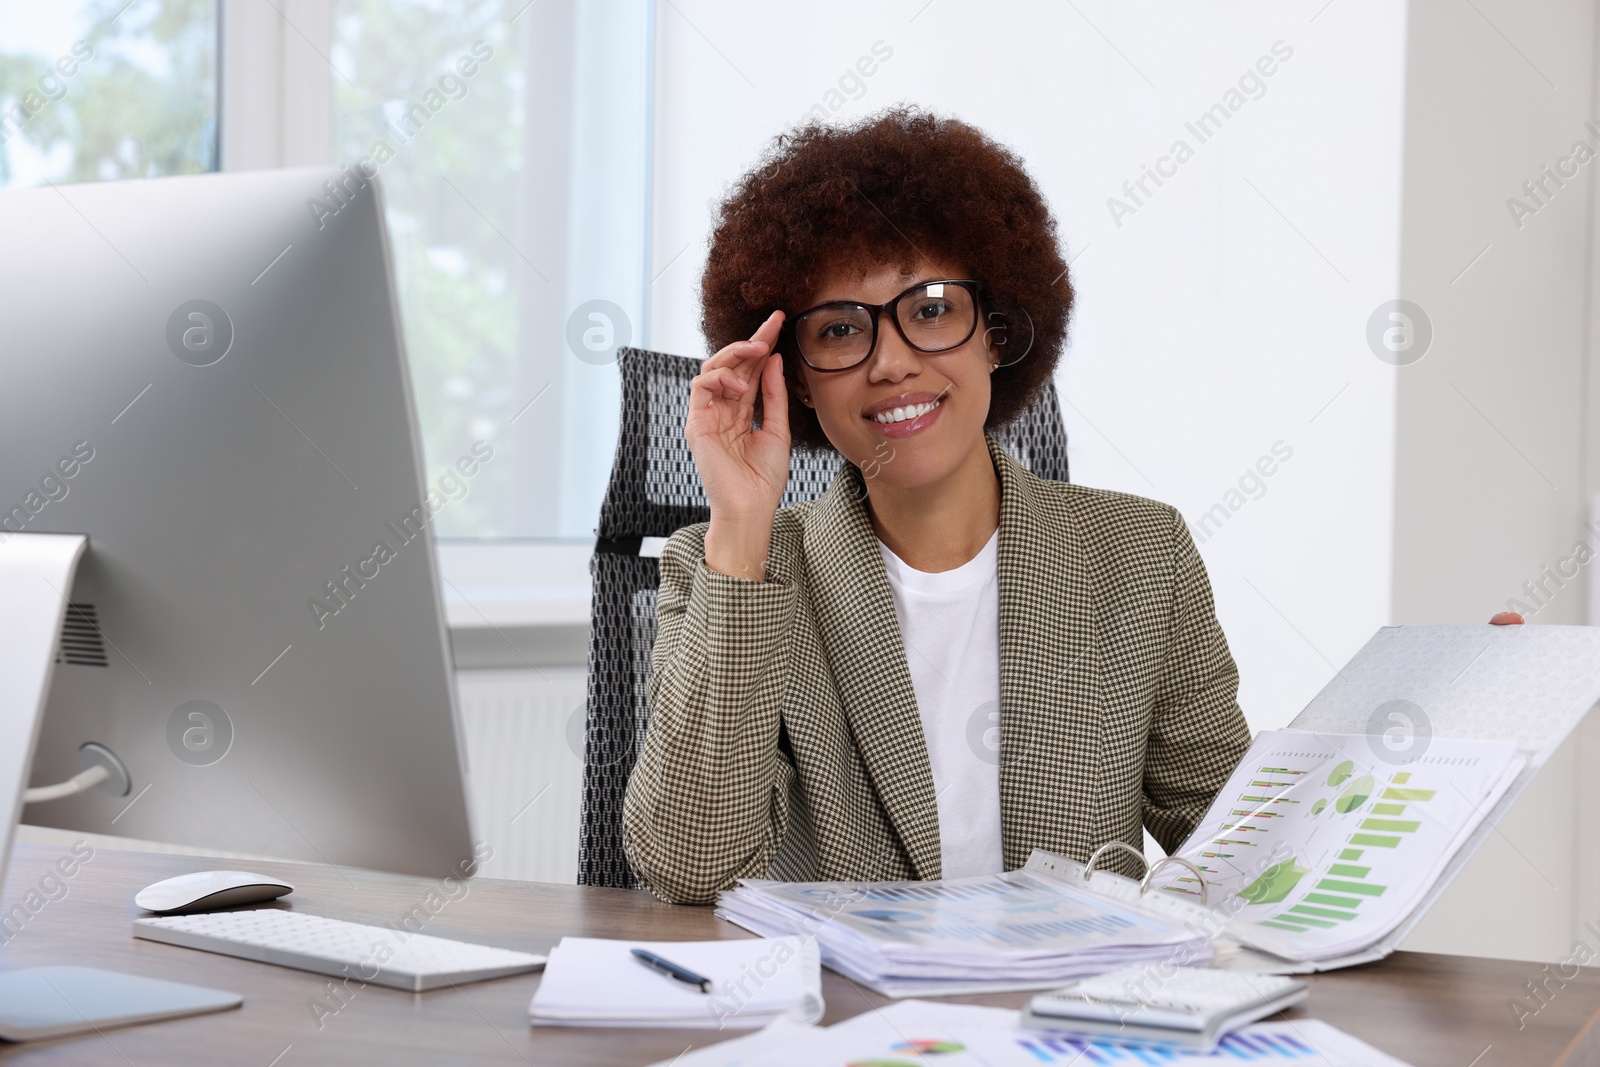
{"x": 934, "y": 316}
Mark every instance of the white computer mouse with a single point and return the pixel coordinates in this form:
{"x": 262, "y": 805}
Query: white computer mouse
{"x": 205, "y": 890}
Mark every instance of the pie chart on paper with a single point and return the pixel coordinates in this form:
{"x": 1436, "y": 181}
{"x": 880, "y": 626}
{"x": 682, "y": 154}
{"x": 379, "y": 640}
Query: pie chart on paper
{"x": 1355, "y": 795}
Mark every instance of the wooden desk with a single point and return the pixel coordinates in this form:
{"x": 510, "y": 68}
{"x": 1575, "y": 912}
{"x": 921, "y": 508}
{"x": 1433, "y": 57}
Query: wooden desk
{"x": 1426, "y": 1009}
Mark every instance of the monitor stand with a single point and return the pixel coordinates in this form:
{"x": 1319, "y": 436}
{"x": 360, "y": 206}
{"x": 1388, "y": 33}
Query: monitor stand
{"x": 36, "y": 574}
{"x": 41, "y": 1002}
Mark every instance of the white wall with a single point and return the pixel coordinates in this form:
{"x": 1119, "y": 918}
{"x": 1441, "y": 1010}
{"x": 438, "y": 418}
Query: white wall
{"x": 1209, "y": 325}
{"x": 1493, "y": 456}
{"x": 1490, "y": 460}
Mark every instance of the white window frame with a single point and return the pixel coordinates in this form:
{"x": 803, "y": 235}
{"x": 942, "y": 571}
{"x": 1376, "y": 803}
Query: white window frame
{"x": 276, "y": 94}
{"x": 276, "y": 111}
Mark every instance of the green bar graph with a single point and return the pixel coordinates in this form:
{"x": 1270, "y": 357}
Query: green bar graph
{"x": 1377, "y": 840}
{"x": 1304, "y": 919}
{"x": 1363, "y": 888}
{"x": 1406, "y": 794}
{"x": 1326, "y": 913}
{"x": 1380, "y": 814}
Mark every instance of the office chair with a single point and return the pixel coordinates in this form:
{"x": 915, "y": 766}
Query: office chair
{"x": 655, "y": 490}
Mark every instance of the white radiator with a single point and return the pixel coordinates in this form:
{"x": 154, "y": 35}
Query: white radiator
{"x": 524, "y": 733}
{"x": 524, "y": 737}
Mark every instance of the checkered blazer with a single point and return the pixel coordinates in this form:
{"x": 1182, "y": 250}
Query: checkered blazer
{"x": 785, "y": 741}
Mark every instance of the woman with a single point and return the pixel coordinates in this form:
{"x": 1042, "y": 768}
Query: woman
{"x": 826, "y": 676}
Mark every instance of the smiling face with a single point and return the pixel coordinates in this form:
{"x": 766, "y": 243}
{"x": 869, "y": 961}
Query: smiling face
{"x": 926, "y": 410}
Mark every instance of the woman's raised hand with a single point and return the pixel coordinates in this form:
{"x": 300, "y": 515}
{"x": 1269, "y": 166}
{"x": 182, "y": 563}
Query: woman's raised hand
{"x": 743, "y": 469}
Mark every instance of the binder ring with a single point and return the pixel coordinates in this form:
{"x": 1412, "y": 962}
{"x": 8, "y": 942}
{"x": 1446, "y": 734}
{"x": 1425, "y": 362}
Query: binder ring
{"x": 1088, "y": 868}
{"x": 1205, "y": 889}
{"x": 1149, "y": 868}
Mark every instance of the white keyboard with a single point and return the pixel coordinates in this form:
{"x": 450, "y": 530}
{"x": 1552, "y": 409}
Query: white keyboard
{"x": 379, "y": 955}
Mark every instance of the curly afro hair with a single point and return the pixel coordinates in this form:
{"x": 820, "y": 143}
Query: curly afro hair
{"x": 890, "y": 189}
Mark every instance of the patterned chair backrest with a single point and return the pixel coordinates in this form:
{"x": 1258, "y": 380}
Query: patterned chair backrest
{"x": 654, "y": 490}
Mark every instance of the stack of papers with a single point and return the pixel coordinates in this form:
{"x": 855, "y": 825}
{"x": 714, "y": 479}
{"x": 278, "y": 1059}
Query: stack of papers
{"x": 985, "y": 934}
{"x": 962, "y": 1035}
{"x": 595, "y": 982}
{"x": 1320, "y": 845}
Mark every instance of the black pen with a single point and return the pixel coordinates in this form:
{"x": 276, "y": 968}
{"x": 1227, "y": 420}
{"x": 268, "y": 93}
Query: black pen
{"x": 673, "y": 970}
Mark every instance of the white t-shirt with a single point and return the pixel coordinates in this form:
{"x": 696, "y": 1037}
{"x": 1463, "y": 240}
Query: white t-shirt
{"x": 950, "y": 622}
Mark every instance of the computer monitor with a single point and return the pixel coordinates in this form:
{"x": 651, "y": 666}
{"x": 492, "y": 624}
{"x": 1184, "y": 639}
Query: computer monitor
{"x": 205, "y": 375}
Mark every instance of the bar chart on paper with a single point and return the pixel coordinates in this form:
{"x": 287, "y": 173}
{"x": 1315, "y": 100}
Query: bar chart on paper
{"x": 1321, "y": 837}
{"x": 1305, "y": 1041}
{"x": 914, "y": 1032}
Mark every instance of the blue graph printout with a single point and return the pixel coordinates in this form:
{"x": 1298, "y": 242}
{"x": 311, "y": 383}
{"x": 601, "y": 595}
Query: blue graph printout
{"x": 1015, "y": 910}
{"x": 918, "y": 1032}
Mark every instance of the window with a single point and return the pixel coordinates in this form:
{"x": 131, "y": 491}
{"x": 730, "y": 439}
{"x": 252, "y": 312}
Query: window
{"x": 107, "y": 89}
{"x": 511, "y": 141}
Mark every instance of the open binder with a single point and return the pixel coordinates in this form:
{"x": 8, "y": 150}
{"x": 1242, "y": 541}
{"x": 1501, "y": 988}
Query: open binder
{"x": 1527, "y": 685}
